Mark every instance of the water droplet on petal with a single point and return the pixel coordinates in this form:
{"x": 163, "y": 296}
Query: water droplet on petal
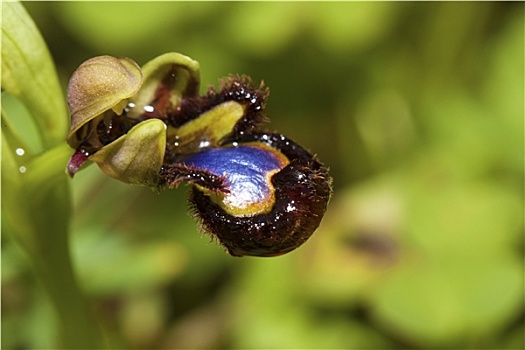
{"x": 149, "y": 109}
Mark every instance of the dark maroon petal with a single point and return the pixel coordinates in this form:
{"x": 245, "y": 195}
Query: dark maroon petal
{"x": 75, "y": 162}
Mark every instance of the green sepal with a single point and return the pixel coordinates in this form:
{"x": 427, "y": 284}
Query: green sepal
{"x": 99, "y": 84}
{"x": 136, "y": 157}
{"x": 177, "y": 74}
{"x": 208, "y": 129}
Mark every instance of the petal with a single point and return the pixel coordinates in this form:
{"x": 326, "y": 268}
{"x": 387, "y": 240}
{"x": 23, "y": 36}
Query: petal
{"x": 167, "y": 78}
{"x": 136, "y": 157}
{"x": 75, "y": 162}
{"x": 207, "y": 129}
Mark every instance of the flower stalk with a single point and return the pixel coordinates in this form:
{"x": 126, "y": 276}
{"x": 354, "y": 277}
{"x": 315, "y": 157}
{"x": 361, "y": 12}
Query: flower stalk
{"x": 36, "y": 201}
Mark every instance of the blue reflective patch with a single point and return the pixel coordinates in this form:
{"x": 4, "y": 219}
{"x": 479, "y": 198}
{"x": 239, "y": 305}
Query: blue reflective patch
{"x": 247, "y": 170}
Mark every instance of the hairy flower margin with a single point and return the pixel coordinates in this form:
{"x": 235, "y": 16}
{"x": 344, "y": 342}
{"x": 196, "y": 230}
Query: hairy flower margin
{"x": 258, "y": 193}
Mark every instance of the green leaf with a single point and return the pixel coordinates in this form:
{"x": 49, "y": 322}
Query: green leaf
{"x": 19, "y": 127}
{"x": 28, "y": 73}
{"x": 439, "y": 303}
{"x": 110, "y": 264}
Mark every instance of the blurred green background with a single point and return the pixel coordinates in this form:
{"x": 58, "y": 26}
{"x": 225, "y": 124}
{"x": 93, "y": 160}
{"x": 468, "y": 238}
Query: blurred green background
{"x": 417, "y": 108}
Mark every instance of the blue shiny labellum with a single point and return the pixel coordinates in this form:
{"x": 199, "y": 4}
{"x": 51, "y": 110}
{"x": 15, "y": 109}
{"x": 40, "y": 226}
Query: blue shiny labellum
{"x": 246, "y": 171}
{"x": 260, "y": 194}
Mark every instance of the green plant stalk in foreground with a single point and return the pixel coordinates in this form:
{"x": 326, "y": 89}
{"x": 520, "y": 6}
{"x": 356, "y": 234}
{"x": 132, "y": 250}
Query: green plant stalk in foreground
{"x": 36, "y": 202}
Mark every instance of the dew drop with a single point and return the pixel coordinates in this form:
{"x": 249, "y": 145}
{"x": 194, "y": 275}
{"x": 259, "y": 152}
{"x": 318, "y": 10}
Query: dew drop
{"x": 20, "y": 151}
{"x": 203, "y": 144}
{"x": 22, "y": 169}
{"x": 149, "y": 109}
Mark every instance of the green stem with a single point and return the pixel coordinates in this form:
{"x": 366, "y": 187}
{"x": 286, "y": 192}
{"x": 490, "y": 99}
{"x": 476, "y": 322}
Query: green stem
{"x": 35, "y": 193}
{"x": 46, "y": 212}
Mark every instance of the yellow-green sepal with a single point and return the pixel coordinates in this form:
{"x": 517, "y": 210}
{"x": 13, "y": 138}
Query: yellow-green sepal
{"x": 177, "y": 73}
{"x": 135, "y": 158}
{"x": 100, "y": 84}
{"x": 208, "y": 129}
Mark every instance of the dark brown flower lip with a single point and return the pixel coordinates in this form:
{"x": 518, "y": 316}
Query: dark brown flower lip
{"x": 257, "y": 193}
{"x": 301, "y": 190}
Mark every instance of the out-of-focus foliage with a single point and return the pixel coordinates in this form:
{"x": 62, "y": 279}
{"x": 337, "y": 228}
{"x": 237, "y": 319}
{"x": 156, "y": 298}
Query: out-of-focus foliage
{"x": 36, "y": 198}
{"x": 418, "y": 110}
